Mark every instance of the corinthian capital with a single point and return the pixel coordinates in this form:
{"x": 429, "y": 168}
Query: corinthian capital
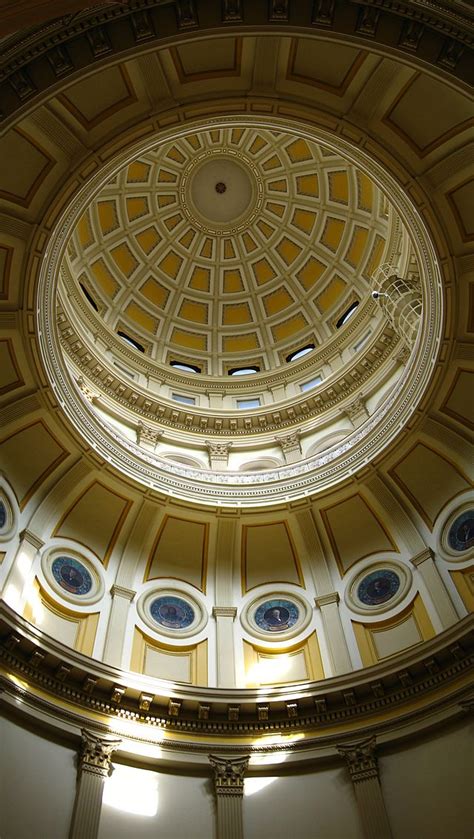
{"x": 96, "y": 753}
{"x": 360, "y": 758}
{"x": 229, "y": 774}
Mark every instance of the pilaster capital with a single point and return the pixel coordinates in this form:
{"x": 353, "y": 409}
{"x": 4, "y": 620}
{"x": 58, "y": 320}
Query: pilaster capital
{"x": 290, "y": 442}
{"x": 30, "y": 537}
{"x": 360, "y": 758}
{"x": 326, "y": 599}
{"x": 229, "y": 774}
{"x": 224, "y": 612}
{"x": 121, "y": 591}
{"x": 425, "y": 554}
{"x": 96, "y": 753}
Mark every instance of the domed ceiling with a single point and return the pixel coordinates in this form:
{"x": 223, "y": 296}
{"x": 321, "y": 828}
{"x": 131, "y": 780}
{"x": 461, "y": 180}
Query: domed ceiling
{"x": 231, "y": 247}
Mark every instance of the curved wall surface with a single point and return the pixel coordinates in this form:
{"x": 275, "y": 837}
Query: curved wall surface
{"x": 321, "y": 594}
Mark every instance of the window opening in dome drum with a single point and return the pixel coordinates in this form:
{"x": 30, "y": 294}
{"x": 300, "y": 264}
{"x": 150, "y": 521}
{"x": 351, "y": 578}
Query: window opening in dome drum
{"x": 89, "y": 297}
{"x": 293, "y": 356}
{"x": 3, "y": 515}
{"x": 131, "y": 341}
{"x": 347, "y": 314}
{"x": 186, "y": 368}
{"x": 312, "y": 383}
{"x": 244, "y": 404}
{"x": 186, "y": 400}
{"x": 243, "y": 371}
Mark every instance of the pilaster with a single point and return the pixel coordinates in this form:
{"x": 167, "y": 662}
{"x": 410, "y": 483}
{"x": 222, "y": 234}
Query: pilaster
{"x": 334, "y": 633}
{"x": 425, "y": 564}
{"x": 229, "y": 785}
{"x": 362, "y": 764}
{"x": 94, "y": 766}
{"x": 115, "y": 637}
{"x": 225, "y": 616}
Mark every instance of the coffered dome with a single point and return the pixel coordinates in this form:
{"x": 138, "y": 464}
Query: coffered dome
{"x": 232, "y": 247}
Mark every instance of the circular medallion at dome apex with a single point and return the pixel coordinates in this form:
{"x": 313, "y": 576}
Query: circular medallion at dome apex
{"x": 221, "y": 190}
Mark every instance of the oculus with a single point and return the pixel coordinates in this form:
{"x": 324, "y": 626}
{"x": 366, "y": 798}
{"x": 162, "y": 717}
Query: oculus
{"x": 72, "y": 575}
{"x": 378, "y": 587}
{"x": 172, "y": 612}
{"x": 461, "y": 532}
{"x": 3, "y": 515}
{"x": 276, "y": 615}
{"x": 168, "y": 611}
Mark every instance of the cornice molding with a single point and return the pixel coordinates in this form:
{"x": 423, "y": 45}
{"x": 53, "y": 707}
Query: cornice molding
{"x": 379, "y": 696}
{"x": 36, "y": 60}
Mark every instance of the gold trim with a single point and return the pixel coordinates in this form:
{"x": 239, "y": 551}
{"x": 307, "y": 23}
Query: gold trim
{"x": 400, "y": 483}
{"x": 48, "y": 471}
{"x": 243, "y": 557}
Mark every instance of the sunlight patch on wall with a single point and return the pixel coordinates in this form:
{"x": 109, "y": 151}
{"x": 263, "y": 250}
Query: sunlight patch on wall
{"x": 132, "y": 791}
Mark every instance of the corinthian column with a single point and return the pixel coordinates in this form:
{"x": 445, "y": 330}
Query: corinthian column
{"x": 94, "y": 766}
{"x": 362, "y": 764}
{"x": 229, "y": 784}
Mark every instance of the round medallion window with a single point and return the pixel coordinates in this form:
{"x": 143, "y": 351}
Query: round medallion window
{"x": 172, "y": 612}
{"x": 276, "y": 615}
{"x": 3, "y": 515}
{"x": 72, "y": 577}
{"x": 461, "y": 532}
{"x": 378, "y": 587}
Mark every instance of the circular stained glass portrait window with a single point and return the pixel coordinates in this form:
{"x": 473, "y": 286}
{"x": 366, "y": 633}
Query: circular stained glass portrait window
{"x": 276, "y": 615}
{"x": 461, "y": 532}
{"x": 71, "y": 575}
{"x": 3, "y": 515}
{"x": 378, "y": 587}
{"x": 172, "y": 612}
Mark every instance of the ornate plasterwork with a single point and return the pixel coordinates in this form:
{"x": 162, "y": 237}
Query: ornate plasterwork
{"x": 229, "y": 774}
{"x": 394, "y": 689}
{"x": 272, "y": 485}
{"x": 96, "y": 753}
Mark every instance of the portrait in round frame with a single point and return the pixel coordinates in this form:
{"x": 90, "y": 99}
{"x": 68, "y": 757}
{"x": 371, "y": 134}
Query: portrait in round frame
{"x": 460, "y": 536}
{"x": 72, "y": 576}
{"x": 276, "y": 615}
{"x": 378, "y": 587}
{"x": 172, "y": 612}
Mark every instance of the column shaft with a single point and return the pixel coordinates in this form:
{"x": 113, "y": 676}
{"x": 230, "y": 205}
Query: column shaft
{"x": 372, "y": 809}
{"x": 87, "y": 808}
{"x": 229, "y": 817}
